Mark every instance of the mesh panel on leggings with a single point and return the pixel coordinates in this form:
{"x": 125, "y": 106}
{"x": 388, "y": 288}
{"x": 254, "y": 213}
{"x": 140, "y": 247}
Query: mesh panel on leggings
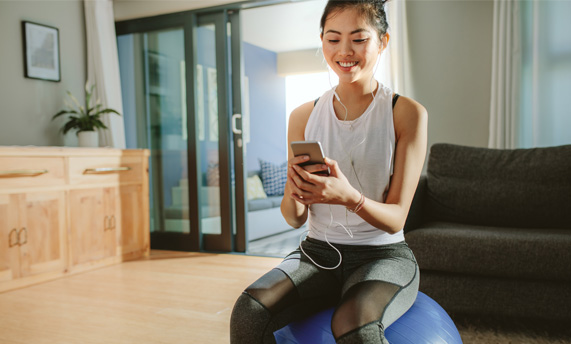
{"x": 363, "y": 304}
{"x": 275, "y": 291}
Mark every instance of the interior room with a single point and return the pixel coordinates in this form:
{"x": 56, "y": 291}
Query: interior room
{"x": 144, "y": 155}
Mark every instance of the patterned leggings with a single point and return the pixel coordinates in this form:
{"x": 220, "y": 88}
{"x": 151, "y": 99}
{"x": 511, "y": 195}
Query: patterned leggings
{"x": 373, "y": 287}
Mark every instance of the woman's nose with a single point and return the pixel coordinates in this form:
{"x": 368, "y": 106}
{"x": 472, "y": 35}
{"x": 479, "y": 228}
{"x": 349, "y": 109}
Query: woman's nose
{"x": 346, "y": 48}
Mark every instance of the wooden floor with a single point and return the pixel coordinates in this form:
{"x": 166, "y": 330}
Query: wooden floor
{"x": 170, "y": 298}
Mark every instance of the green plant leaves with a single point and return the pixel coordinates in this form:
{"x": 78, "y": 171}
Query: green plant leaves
{"x": 88, "y": 117}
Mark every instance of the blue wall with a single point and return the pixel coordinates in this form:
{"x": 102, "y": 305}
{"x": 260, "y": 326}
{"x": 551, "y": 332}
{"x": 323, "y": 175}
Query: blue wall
{"x": 267, "y": 107}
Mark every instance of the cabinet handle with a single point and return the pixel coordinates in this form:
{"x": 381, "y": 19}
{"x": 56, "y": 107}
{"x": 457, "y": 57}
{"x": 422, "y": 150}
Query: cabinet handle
{"x": 106, "y": 169}
{"x": 106, "y": 223}
{"x": 23, "y": 230}
{"x": 16, "y": 173}
{"x": 11, "y": 236}
{"x": 110, "y": 222}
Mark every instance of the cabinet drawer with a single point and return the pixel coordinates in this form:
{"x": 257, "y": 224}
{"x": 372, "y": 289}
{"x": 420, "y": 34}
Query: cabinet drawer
{"x": 17, "y": 172}
{"x": 104, "y": 170}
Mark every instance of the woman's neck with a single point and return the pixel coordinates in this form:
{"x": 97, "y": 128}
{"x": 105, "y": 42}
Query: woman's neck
{"x": 354, "y": 99}
{"x": 357, "y": 91}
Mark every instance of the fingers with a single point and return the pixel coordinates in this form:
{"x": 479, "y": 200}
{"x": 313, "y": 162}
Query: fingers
{"x": 306, "y": 175}
{"x": 333, "y": 167}
{"x": 296, "y": 160}
{"x": 297, "y": 193}
{"x": 313, "y": 168}
{"x": 316, "y": 168}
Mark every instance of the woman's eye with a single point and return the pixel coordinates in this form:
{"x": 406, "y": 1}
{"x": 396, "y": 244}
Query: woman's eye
{"x": 360, "y": 40}
{"x": 333, "y": 41}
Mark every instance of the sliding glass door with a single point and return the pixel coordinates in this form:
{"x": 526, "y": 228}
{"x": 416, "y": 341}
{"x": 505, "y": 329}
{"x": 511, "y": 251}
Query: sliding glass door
{"x": 180, "y": 77}
{"x": 217, "y": 66}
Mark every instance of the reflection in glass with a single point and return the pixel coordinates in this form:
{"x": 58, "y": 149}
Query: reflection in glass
{"x": 152, "y": 66}
{"x": 207, "y": 113}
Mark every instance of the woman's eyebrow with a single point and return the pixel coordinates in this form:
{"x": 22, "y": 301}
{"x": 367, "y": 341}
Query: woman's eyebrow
{"x": 352, "y": 32}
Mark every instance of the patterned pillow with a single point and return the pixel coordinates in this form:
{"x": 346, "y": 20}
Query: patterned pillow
{"x": 274, "y": 177}
{"x": 255, "y": 189}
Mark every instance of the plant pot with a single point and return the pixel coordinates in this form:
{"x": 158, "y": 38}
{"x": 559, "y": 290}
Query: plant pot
{"x": 88, "y": 139}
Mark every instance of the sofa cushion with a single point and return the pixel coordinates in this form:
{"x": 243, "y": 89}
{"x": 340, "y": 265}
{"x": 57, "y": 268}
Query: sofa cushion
{"x": 254, "y": 188}
{"x": 274, "y": 177}
{"x": 264, "y": 203}
{"x": 492, "y": 251}
{"x": 519, "y": 188}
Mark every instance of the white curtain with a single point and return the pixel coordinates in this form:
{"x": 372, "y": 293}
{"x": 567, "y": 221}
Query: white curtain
{"x": 506, "y": 67}
{"x": 394, "y": 68}
{"x": 545, "y": 110}
{"x": 531, "y": 74}
{"x": 103, "y": 68}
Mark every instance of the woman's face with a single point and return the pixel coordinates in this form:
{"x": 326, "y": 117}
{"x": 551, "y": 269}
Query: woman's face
{"x": 350, "y": 45}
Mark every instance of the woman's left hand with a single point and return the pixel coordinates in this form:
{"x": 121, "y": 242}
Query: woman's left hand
{"x": 332, "y": 189}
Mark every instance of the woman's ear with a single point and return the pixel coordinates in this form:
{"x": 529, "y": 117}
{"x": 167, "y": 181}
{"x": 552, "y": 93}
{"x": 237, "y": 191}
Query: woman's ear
{"x": 384, "y": 41}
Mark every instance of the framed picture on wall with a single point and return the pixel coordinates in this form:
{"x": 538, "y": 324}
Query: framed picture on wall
{"x": 41, "y": 51}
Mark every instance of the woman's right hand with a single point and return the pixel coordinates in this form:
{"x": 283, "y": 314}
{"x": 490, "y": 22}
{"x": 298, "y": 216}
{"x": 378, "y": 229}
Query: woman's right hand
{"x": 292, "y": 175}
{"x": 297, "y": 185}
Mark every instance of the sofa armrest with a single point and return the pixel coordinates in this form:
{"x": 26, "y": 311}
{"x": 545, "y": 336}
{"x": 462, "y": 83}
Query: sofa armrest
{"x": 416, "y": 212}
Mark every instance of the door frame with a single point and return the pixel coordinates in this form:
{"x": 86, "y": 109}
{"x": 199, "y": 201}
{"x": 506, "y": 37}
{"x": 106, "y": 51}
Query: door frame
{"x": 233, "y": 199}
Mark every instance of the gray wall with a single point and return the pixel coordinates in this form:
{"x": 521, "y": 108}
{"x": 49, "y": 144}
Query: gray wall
{"x": 451, "y": 42}
{"x": 27, "y": 105}
{"x": 451, "y": 53}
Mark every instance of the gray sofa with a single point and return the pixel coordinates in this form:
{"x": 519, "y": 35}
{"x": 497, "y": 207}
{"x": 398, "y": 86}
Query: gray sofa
{"x": 491, "y": 230}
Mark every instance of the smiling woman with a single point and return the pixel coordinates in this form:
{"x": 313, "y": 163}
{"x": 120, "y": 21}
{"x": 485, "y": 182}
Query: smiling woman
{"x": 354, "y": 255}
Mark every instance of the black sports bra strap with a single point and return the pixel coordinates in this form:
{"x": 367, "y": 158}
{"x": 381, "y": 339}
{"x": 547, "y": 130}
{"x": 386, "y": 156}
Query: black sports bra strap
{"x": 395, "y": 98}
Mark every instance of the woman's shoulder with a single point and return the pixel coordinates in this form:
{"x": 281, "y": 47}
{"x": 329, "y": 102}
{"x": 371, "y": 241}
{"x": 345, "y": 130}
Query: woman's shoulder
{"x": 408, "y": 115}
{"x": 302, "y": 112}
{"x": 299, "y": 118}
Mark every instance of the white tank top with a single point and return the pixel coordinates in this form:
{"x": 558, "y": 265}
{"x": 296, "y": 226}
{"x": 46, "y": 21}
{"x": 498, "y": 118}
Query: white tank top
{"x": 370, "y": 141}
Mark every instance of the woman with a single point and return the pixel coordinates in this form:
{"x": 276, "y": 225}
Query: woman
{"x": 354, "y": 256}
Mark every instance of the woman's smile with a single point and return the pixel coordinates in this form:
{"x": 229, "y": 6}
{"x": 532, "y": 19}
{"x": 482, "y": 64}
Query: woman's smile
{"x": 347, "y": 65}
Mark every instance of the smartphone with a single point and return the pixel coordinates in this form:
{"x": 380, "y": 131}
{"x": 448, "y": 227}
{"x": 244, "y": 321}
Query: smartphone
{"x": 313, "y": 149}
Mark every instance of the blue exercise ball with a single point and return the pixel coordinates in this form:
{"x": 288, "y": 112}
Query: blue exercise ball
{"x": 424, "y": 323}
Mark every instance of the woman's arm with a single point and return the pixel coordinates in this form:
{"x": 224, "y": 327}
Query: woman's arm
{"x": 411, "y": 127}
{"x": 294, "y": 212}
{"x": 411, "y": 122}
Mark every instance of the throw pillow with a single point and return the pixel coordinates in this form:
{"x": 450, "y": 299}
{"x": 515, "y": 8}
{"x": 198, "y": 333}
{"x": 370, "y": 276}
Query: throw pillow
{"x": 213, "y": 175}
{"x": 274, "y": 177}
{"x": 254, "y": 188}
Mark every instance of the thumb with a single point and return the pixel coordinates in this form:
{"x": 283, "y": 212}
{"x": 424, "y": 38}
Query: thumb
{"x": 333, "y": 167}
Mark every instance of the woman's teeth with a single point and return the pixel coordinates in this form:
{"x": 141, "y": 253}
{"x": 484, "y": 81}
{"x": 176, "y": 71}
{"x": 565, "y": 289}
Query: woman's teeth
{"x": 347, "y": 64}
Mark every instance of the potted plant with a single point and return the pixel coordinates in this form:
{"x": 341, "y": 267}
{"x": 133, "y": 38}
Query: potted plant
{"x": 85, "y": 119}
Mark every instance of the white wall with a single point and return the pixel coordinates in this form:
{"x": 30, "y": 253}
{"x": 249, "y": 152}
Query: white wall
{"x": 27, "y": 105}
{"x": 451, "y": 48}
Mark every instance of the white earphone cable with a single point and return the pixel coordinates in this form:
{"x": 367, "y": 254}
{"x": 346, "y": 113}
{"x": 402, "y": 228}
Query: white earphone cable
{"x": 349, "y": 156}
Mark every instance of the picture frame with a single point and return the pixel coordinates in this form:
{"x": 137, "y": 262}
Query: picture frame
{"x": 41, "y": 51}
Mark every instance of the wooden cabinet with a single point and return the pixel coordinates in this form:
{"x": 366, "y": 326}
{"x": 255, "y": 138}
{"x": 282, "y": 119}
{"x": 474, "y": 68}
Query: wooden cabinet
{"x": 93, "y": 235}
{"x": 65, "y": 210}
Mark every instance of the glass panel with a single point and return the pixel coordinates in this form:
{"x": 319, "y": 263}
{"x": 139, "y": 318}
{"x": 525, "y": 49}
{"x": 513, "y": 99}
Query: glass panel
{"x": 154, "y": 101}
{"x": 207, "y": 131}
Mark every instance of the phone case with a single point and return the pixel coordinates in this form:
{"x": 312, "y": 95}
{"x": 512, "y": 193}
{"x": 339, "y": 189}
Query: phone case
{"x": 311, "y": 148}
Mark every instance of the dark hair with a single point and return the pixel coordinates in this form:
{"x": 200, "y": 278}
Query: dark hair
{"x": 373, "y": 10}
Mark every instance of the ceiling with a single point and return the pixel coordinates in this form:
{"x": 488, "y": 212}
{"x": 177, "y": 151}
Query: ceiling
{"x": 285, "y": 27}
